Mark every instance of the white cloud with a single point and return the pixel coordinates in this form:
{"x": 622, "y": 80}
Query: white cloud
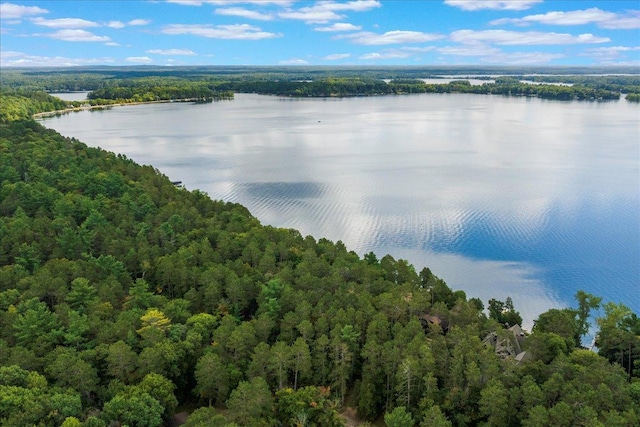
{"x": 339, "y": 26}
{"x": 593, "y": 15}
{"x": 622, "y": 22}
{"x": 391, "y": 37}
{"x": 139, "y": 59}
{"x": 293, "y": 62}
{"x": 325, "y": 11}
{"x": 515, "y": 38}
{"x": 186, "y": 2}
{"x": 492, "y": 4}
{"x": 75, "y": 23}
{"x": 635, "y": 63}
{"x": 337, "y": 56}
{"x": 112, "y": 44}
{"x": 616, "y": 49}
{"x": 10, "y": 54}
{"x": 311, "y": 16}
{"x": 235, "y": 32}
{"x": 354, "y": 6}
{"x": 493, "y": 55}
{"x": 115, "y": 24}
{"x": 401, "y": 53}
{"x": 610, "y": 54}
{"x": 15, "y": 11}
{"x": 133, "y": 23}
{"x": 469, "y": 50}
{"x": 185, "y": 52}
{"x": 523, "y": 58}
{"x": 283, "y": 3}
{"x": 77, "y": 36}
{"x": 390, "y": 54}
{"x": 64, "y": 23}
{"x": 20, "y": 59}
{"x": 139, "y": 22}
{"x": 418, "y": 49}
{"x": 244, "y": 13}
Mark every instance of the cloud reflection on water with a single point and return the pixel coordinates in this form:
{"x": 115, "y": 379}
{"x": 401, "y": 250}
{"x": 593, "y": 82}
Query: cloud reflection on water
{"x": 498, "y": 196}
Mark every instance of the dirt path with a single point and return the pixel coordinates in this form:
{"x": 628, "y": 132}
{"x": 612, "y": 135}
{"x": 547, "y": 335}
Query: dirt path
{"x": 350, "y": 416}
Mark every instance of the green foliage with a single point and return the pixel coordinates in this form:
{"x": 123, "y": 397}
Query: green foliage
{"x": 120, "y": 359}
{"x": 158, "y": 89}
{"x": 562, "y": 322}
{"x": 207, "y": 417}
{"x": 504, "y": 312}
{"x": 69, "y": 370}
{"x": 619, "y": 337}
{"x": 586, "y": 303}
{"x": 36, "y": 327}
{"x": 251, "y": 403}
{"x": 25, "y": 399}
{"x": 359, "y": 86}
{"x": 270, "y": 296}
{"x": 494, "y": 403}
{"x": 135, "y": 410}
{"x": 546, "y": 346}
{"x": 433, "y": 417}
{"x": 399, "y": 417}
{"x": 212, "y": 377}
{"x": 23, "y": 104}
{"x": 71, "y": 422}
{"x": 311, "y": 405}
{"x": 161, "y": 389}
{"x": 154, "y": 325}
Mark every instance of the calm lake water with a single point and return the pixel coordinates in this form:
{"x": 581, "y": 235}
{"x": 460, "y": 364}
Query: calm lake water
{"x": 498, "y": 196}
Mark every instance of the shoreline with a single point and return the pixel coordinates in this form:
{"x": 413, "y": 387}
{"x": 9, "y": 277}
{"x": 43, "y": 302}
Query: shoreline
{"x": 106, "y": 106}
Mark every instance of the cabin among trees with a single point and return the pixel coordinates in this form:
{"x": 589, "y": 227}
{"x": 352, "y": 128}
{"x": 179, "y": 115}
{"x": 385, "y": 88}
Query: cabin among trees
{"x": 508, "y": 343}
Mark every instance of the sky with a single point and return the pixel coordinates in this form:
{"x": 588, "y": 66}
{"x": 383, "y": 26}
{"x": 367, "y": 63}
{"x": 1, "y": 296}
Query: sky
{"x": 288, "y": 32}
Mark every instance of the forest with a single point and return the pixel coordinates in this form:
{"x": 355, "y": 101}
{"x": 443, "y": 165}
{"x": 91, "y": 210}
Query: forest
{"x": 125, "y": 300}
{"x": 341, "y": 87}
{"x": 207, "y": 84}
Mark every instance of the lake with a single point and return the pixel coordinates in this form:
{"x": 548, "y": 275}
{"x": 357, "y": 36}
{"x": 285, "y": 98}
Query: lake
{"x": 499, "y": 196}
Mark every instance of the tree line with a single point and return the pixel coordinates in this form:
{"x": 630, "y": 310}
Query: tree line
{"x": 158, "y": 89}
{"x": 149, "y": 89}
{"x": 125, "y": 299}
{"x": 126, "y": 85}
{"x": 341, "y": 87}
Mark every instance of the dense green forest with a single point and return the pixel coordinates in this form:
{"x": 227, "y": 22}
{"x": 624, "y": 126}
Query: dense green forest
{"x": 205, "y": 84}
{"x": 508, "y": 86}
{"x": 125, "y": 299}
{"x": 145, "y": 89}
{"x": 93, "y": 77}
{"x": 22, "y": 105}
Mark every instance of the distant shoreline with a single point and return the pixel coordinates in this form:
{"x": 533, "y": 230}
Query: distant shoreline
{"x": 106, "y": 106}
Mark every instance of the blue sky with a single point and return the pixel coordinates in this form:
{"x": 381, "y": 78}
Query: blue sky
{"x": 288, "y": 32}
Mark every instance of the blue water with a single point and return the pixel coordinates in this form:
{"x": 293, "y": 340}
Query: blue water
{"x": 573, "y": 251}
{"x": 498, "y": 196}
